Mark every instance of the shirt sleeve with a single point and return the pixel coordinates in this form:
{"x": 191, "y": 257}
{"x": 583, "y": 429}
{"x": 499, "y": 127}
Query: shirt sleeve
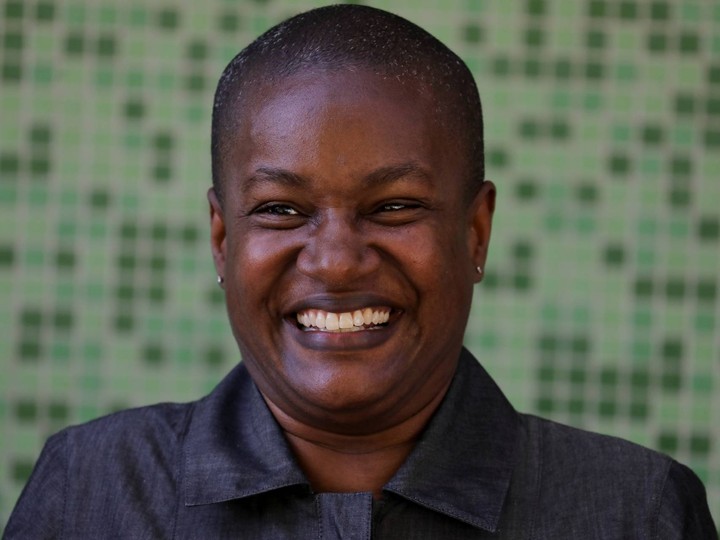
{"x": 683, "y": 512}
{"x": 39, "y": 511}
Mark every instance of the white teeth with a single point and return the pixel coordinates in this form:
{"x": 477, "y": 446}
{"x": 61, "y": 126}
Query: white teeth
{"x": 345, "y": 321}
{"x": 332, "y": 322}
{"x": 357, "y": 318}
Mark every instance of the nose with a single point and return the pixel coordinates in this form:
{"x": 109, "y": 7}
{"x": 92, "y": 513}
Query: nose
{"x": 337, "y": 252}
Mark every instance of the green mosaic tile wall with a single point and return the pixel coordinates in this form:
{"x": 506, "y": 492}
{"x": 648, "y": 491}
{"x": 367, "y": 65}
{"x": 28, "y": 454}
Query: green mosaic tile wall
{"x": 600, "y": 306}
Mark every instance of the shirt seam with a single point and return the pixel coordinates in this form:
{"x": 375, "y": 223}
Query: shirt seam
{"x": 655, "y": 514}
{"x": 538, "y": 480}
{"x": 179, "y": 467}
{"x": 318, "y": 508}
{"x": 65, "y": 484}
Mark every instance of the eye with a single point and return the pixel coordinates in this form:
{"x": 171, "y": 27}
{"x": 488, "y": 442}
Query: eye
{"x": 276, "y": 209}
{"x": 392, "y": 207}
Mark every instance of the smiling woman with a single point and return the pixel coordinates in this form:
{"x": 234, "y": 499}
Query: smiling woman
{"x": 354, "y": 200}
{"x": 350, "y": 221}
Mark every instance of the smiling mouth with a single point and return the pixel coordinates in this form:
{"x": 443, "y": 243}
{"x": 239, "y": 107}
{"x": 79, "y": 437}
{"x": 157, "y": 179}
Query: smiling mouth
{"x": 369, "y": 318}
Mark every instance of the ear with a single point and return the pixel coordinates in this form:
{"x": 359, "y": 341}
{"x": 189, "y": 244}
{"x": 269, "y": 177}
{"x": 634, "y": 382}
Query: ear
{"x": 217, "y": 232}
{"x": 481, "y": 213}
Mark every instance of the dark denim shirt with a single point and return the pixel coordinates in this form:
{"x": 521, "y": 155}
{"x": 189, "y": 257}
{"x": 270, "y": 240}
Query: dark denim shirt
{"x": 220, "y": 468}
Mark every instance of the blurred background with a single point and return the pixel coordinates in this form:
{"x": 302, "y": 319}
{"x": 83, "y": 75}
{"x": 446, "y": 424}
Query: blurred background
{"x": 600, "y": 305}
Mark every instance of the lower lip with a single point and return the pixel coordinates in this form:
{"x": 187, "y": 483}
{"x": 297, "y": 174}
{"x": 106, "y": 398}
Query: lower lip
{"x": 342, "y": 341}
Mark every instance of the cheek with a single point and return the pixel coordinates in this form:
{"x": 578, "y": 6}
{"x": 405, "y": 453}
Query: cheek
{"x": 260, "y": 256}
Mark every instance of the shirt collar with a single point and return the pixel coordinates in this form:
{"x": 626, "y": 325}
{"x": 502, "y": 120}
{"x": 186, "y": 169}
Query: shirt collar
{"x": 234, "y": 447}
{"x": 463, "y": 463}
{"x": 460, "y": 467}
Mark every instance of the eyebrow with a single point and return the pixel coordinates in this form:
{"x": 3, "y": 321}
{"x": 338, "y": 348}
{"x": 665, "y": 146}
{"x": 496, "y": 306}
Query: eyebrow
{"x": 378, "y": 177}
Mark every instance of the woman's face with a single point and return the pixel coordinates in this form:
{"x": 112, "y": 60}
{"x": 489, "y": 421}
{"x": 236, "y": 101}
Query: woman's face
{"x": 348, "y": 248}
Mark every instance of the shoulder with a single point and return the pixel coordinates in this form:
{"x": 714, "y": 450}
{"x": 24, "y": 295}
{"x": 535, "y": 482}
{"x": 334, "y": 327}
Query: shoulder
{"x": 154, "y": 423}
{"x": 581, "y": 451}
{"x": 593, "y": 482}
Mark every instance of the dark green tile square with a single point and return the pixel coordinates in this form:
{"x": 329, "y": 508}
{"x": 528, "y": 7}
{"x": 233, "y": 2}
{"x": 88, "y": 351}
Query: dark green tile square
{"x": 472, "y": 33}
{"x": 45, "y": 11}
{"x": 168, "y": 19}
{"x": 614, "y": 255}
{"x": 39, "y": 166}
{"x": 162, "y": 172}
{"x": 689, "y": 43}
{"x": 545, "y": 405}
{"x": 7, "y": 256}
{"x": 14, "y": 9}
{"x": 534, "y": 37}
{"x": 29, "y": 350}
{"x": 596, "y": 39}
{"x": 11, "y": 71}
{"x": 675, "y": 289}
{"x": 197, "y": 50}
{"x": 533, "y": 68}
{"x": 159, "y": 232}
{"x": 668, "y": 442}
{"x": 26, "y": 411}
{"x": 153, "y": 354}
{"x": 529, "y": 129}
{"x": 628, "y": 10}
{"x": 99, "y": 199}
{"x": 711, "y": 138}
{"x": 549, "y": 343}
{"x": 709, "y": 228}
{"x": 9, "y": 164}
{"x": 63, "y": 320}
{"x": 619, "y": 164}
{"x": 713, "y": 74}
{"x": 707, "y": 291}
{"x": 639, "y": 380}
{"x": 21, "y": 470}
{"x": 594, "y": 71}
{"x": 685, "y": 104}
{"x": 65, "y": 260}
{"x": 607, "y": 409}
{"x": 229, "y": 22}
{"x": 660, "y": 11}
{"x": 40, "y": 134}
{"x": 501, "y": 66}
{"x": 13, "y": 41}
{"x": 563, "y": 69}
{"x": 700, "y": 444}
{"x": 652, "y": 135}
{"x": 712, "y": 106}
{"x": 58, "y": 412}
{"x": 134, "y": 109}
{"x": 536, "y": 7}
{"x": 526, "y": 190}
{"x": 597, "y": 8}
{"x": 644, "y": 287}
{"x": 671, "y": 382}
{"x": 106, "y": 46}
{"x": 639, "y": 410}
{"x": 75, "y": 43}
{"x": 195, "y": 82}
{"x": 657, "y": 42}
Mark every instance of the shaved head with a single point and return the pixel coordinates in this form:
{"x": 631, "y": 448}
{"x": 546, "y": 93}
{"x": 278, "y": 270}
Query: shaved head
{"x": 347, "y": 38}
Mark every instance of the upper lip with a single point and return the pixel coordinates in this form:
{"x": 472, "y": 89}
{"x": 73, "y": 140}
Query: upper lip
{"x": 340, "y": 303}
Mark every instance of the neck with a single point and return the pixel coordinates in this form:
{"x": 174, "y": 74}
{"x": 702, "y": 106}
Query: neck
{"x": 341, "y": 463}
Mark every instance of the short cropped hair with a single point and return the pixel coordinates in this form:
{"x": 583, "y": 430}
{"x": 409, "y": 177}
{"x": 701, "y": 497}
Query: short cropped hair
{"x": 346, "y": 37}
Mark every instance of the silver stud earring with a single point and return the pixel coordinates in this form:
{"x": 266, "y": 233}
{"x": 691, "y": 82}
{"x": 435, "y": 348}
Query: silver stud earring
{"x": 221, "y": 280}
{"x": 479, "y": 270}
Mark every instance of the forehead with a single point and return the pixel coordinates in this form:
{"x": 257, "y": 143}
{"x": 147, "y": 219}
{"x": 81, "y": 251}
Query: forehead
{"x": 357, "y": 116}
